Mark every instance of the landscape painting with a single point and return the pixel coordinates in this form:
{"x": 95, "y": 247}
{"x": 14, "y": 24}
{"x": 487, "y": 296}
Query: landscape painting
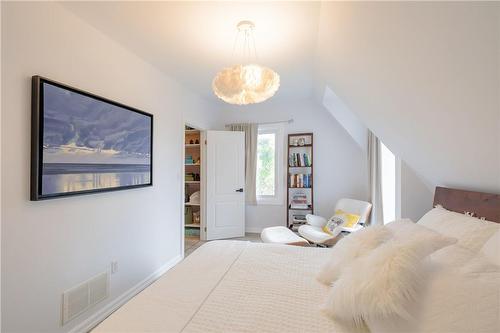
{"x": 88, "y": 144}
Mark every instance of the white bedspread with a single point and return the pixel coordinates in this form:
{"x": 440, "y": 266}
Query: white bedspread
{"x": 232, "y": 286}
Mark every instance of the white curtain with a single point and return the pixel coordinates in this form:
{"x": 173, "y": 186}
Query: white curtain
{"x": 251, "y": 132}
{"x": 375, "y": 179}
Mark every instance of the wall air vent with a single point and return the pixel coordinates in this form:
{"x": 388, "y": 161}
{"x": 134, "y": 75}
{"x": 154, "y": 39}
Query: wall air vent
{"x": 82, "y": 297}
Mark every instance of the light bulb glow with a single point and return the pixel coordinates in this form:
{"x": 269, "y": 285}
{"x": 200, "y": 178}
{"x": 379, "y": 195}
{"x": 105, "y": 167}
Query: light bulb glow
{"x": 245, "y": 84}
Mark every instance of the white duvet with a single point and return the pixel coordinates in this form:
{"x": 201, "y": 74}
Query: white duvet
{"x": 232, "y": 286}
{"x": 235, "y": 286}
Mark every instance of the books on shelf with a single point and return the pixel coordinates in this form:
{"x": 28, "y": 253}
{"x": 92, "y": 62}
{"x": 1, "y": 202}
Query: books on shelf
{"x": 299, "y": 201}
{"x": 300, "y": 180}
{"x": 299, "y": 219}
{"x": 299, "y": 160}
{"x": 190, "y": 176}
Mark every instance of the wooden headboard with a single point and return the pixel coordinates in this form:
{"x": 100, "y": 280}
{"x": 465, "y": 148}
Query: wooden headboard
{"x": 478, "y": 204}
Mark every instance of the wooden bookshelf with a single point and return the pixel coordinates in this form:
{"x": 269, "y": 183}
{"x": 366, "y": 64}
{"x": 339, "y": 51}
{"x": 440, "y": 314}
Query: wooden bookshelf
{"x": 300, "y": 184}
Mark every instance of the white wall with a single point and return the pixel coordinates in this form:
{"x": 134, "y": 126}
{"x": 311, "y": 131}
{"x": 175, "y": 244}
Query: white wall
{"x": 416, "y": 195}
{"x": 337, "y": 108}
{"x": 425, "y": 78}
{"x": 339, "y": 163}
{"x": 50, "y": 246}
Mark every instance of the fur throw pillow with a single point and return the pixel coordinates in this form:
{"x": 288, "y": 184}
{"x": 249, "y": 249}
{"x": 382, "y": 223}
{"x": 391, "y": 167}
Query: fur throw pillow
{"x": 383, "y": 283}
{"x": 350, "y": 248}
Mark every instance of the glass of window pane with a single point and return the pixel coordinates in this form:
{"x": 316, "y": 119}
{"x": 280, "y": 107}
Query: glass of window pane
{"x": 266, "y": 160}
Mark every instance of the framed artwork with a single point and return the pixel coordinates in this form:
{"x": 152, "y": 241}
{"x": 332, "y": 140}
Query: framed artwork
{"x": 82, "y": 143}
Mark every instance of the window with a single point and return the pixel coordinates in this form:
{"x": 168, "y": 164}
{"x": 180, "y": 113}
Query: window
{"x": 390, "y": 185}
{"x": 269, "y": 178}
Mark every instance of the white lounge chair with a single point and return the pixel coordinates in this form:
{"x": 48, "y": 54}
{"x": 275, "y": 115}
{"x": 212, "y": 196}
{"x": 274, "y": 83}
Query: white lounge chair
{"x": 313, "y": 230}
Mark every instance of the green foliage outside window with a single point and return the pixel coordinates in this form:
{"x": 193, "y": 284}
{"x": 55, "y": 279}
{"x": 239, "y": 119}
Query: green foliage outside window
{"x": 265, "y": 164}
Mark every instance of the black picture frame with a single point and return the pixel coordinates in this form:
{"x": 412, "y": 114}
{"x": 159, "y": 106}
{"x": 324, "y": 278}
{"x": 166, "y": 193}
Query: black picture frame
{"x": 37, "y": 137}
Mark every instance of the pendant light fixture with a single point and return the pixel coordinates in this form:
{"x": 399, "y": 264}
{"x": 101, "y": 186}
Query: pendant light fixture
{"x": 247, "y": 83}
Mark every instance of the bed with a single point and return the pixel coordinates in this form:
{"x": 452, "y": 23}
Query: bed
{"x": 236, "y": 286}
{"x": 232, "y": 286}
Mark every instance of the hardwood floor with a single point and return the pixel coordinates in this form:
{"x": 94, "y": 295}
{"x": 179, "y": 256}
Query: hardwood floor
{"x": 192, "y": 243}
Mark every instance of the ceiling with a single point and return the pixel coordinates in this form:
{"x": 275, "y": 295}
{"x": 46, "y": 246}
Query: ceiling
{"x": 192, "y": 41}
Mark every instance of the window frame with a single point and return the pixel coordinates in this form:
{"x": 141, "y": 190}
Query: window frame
{"x": 279, "y": 132}
{"x": 396, "y": 188}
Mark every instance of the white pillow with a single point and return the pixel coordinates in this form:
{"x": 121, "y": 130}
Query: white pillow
{"x": 454, "y": 255}
{"x": 491, "y": 249}
{"x": 349, "y": 248}
{"x": 406, "y": 230}
{"x": 470, "y": 232}
{"x": 383, "y": 283}
{"x": 458, "y": 299}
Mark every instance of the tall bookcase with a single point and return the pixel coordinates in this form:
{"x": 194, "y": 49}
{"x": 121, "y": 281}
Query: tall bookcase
{"x": 300, "y": 181}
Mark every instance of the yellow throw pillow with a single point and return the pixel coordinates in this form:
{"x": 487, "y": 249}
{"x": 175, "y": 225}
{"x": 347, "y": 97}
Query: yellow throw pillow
{"x": 351, "y": 219}
{"x": 340, "y": 219}
{"x": 334, "y": 225}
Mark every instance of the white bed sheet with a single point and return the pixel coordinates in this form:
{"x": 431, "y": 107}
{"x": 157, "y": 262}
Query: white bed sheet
{"x": 232, "y": 286}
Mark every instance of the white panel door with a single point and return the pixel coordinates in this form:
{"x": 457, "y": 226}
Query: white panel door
{"x": 225, "y": 184}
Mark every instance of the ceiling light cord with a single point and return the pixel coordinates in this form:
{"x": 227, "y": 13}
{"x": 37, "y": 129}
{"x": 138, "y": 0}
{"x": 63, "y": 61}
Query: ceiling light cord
{"x": 248, "y": 49}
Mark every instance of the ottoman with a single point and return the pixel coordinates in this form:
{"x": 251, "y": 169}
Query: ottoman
{"x": 282, "y": 235}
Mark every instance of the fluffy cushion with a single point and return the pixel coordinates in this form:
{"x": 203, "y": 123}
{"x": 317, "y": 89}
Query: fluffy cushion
{"x": 491, "y": 249}
{"x": 470, "y": 232}
{"x": 383, "y": 283}
{"x": 458, "y": 296}
{"x": 349, "y": 248}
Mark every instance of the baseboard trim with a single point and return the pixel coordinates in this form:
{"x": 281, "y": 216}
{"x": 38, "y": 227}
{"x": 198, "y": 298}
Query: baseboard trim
{"x": 254, "y": 230}
{"x": 92, "y": 321}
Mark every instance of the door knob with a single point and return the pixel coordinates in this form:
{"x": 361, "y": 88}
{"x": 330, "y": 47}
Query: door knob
{"x": 239, "y": 190}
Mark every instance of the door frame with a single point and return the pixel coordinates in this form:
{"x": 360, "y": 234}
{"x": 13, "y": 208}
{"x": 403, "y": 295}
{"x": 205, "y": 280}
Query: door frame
{"x": 202, "y": 182}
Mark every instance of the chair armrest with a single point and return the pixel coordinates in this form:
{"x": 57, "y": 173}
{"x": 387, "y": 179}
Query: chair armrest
{"x": 316, "y": 220}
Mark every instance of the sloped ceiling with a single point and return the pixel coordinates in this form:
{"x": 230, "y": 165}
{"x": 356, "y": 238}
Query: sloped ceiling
{"x": 192, "y": 41}
{"x": 425, "y": 78}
